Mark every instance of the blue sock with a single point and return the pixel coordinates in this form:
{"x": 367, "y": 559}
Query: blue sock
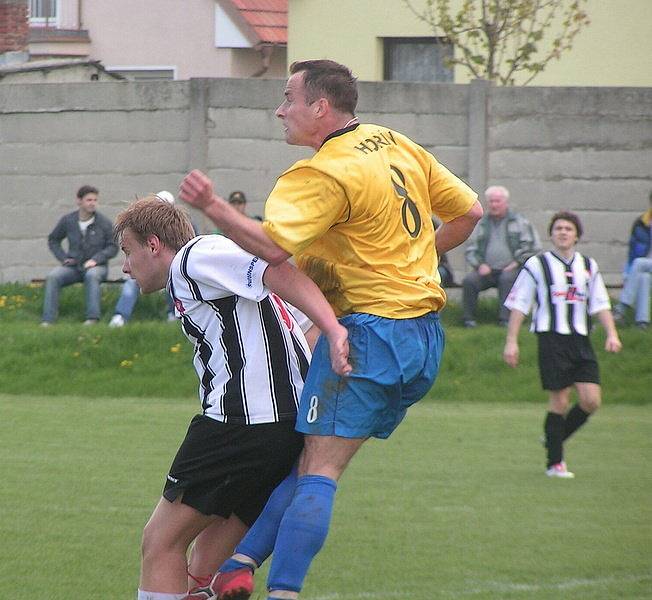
{"x": 259, "y": 541}
{"x": 302, "y": 533}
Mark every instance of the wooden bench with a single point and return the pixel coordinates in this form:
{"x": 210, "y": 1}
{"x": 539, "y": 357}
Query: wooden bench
{"x": 37, "y": 281}
{"x": 609, "y": 286}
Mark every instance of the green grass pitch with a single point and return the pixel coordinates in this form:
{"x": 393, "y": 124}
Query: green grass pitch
{"x": 454, "y": 505}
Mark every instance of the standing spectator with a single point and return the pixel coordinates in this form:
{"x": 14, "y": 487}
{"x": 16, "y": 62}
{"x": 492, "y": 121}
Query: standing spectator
{"x": 638, "y": 272}
{"x": 566, "y": 289}
{"x": 90, "y": 246}
{"x": 501, "y": 243}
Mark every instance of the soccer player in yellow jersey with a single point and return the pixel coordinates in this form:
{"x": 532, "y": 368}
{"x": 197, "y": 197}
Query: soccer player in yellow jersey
{"x": 357, "y": 218}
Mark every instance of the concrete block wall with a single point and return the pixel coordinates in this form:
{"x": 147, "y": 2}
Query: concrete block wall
{"x": 584, "y": 149}
{"x": 587, "y": 149}
{"x": 126, "y": 139}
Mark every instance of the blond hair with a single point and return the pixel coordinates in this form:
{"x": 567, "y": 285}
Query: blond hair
{"x": 152, "y": 216}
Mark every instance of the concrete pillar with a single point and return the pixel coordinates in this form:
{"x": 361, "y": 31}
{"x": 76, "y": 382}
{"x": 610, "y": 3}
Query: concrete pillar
{"x": 478, "y": 101}
{"x": 198, "y": 136}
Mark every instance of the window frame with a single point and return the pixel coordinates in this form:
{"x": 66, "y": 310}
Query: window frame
{"x": 389, "y": 42}
{"x": 55, "y": 5}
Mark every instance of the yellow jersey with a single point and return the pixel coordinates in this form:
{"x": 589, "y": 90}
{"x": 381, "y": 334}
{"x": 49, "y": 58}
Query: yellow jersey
{"x": 356, "y": 217}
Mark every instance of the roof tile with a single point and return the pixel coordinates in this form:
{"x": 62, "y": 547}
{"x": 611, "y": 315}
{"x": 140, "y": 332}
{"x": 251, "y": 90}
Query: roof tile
{"x": 268, "y": 18}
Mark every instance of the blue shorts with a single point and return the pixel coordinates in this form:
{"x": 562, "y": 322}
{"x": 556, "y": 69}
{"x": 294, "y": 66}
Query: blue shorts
{"x": 395, "y": 363}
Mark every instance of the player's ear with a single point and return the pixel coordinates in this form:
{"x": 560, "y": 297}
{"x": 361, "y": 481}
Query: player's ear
{"x": 153, "y": 244}
{"x": 321, "y": 107}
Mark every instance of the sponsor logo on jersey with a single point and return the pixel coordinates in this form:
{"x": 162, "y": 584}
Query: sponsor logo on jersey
{"x": 572, "y": 294}
{"x": 179, "y": 306}
{"x": 250, "y": 271}
{"x": 285, "y": 315}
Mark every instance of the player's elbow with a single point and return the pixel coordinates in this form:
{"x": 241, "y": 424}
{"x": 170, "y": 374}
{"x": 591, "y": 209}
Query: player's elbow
{"x": 275, "y": 255}
{"x": 475, "y": 212}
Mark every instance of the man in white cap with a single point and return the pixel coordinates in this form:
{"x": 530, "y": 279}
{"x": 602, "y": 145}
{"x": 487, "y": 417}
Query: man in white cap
{"x": 126, "y": 303}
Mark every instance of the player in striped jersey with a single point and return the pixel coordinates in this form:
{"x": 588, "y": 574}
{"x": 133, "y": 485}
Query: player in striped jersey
{"x": 251, "y": 358}
{"x": 564, "y": 289}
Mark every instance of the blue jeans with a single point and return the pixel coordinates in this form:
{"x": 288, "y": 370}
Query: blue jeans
{"x": 62, "y": 276}
{"x": 129, "y": 296}
{"x": 636, "y": 290}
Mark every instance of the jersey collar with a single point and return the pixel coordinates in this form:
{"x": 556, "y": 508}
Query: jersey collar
{"x": 339, "y": 132}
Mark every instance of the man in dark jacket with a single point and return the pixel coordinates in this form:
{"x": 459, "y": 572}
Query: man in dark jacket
{"x": 90, "y": 246}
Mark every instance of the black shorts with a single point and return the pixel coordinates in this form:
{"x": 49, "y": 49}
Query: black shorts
{"x": 223, "y": 468}
{"x": 565, "y": 360}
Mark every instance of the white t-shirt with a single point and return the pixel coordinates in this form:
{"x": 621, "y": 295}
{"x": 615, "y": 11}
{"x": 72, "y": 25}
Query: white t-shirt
{"x": 83, "y": 225}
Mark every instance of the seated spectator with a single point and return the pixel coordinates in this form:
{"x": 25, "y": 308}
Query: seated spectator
{"x": 503, "y": 240}
{"x": 238, "y": 200}
{"x": 445, "y": 271}
{"x": 130, "y": 291}
{"x": 444, "y": 267}
{"x": 89, "y": 236}
{"x": 638, "y": 273}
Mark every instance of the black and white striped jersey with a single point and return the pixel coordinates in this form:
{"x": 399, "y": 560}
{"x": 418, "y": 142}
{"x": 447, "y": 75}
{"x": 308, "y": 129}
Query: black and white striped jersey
{"x": 562, "y": 294}
{"x": 250, "y": 353}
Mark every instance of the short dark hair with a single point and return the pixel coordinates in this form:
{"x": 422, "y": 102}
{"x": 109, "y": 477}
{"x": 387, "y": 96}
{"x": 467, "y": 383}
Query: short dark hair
{"x": 237, "y": 197}
{"x": 86, "y": 189}
{"x": 566, "y": 216}
{"x": 328, "y": 79}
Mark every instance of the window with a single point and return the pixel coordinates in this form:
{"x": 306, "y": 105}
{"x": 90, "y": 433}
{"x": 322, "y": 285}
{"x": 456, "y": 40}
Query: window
{"x": 43, "y": 11}
{"x": 418, "y": 59}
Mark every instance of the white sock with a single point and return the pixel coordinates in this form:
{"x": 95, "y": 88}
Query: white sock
{"x": 159, "y": 596}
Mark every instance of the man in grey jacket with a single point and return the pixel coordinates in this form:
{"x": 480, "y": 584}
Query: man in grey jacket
{"x": 503, "y": 240}
{"x": 90, "y": 242}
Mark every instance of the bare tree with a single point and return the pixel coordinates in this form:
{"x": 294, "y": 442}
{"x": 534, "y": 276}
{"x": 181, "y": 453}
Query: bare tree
{"x": 496, "y": 39}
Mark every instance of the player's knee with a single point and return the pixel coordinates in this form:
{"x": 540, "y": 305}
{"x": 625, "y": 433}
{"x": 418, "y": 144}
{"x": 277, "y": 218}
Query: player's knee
{"x": 154, "y": 543}
{"x": 558, "y": 404}
{"x": 148, "y": 542}
{"x": 591, "y": 403}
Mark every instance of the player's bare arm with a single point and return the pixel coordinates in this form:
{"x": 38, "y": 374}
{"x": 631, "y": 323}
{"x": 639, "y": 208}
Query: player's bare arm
{"x": 197, "y": 191}
{"x": 612, "y": 342}
{"x": 299, "y": 290}
{"x": 511, "y": 350}
{"x": 455, "y": 232}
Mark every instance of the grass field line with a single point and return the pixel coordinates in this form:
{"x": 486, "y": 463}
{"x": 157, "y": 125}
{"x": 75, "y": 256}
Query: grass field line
{"x": 498, "y": 586}
{"x": 568, "y": 584}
